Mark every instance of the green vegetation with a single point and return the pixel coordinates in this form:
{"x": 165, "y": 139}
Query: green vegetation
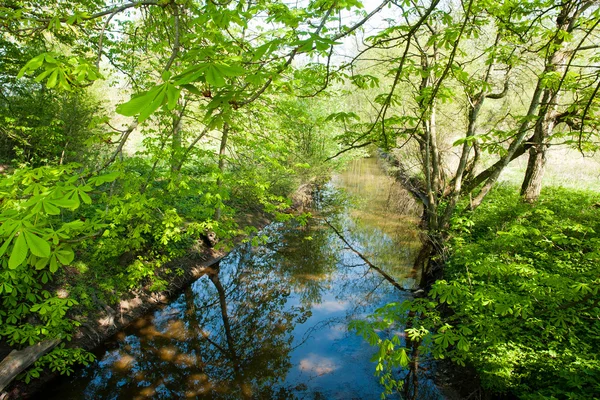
{"x": 131, "y": 129}
{"x": 523, "y": 280}
{"x": 88, "y": 217}
{"x": 519, "y": 302}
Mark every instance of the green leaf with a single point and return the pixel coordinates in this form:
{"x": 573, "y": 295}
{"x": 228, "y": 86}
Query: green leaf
{"x": 172, "y": 96}
{"x": 193, "y": 74}
{"x": 262, "y": 50}
{"x": 41, "y": 263}
{"x": 44, "y": 74}
{"x": 404, "y": 360}
{"x": 49, "y": 59}
{"x": 53, "y": 79}
{"x": 31, "y": 65}
{"x": 214, "y": 76}
{"x": 38, "y": 246}
{"x": 144, "y": 104}
{"x": 231, "y": 70}
{"x": 84, "y": 196}
{"x": 50, "y": 208}
{"x": 5, "y": 246}
{"x": 101, "y": 179}
{"x": 75, "y": 198}
{"x": 153, "y": 105}
{"x": 192, "y": 89}
{"x": 66, "y": 203}
{"x": 19, "y": 252}
{"x": 53, "y": 264}
{"x": 65, "y": 256}
{"x": 133, "y": 106}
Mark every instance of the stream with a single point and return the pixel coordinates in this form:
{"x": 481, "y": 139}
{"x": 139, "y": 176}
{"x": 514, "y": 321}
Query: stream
{"x": 273, "y": 323}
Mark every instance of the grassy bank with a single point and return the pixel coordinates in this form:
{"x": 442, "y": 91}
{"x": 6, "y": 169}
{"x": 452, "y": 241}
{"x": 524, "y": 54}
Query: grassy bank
{"x": 522, "y": 288}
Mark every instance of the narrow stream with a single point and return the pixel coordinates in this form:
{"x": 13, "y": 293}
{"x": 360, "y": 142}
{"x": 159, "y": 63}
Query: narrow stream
{"x": 273, "y": 323}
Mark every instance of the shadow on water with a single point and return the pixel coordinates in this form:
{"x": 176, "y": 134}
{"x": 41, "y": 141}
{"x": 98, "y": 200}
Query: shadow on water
{"x": 271, "y": 322}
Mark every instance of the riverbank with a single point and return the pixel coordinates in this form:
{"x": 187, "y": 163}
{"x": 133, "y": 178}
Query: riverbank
{"x": 100, "y": 324}
{"x": 516, "y": 313}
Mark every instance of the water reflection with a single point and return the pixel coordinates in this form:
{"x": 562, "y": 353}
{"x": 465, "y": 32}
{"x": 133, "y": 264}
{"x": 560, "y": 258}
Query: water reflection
{"x": 271, "y": 322}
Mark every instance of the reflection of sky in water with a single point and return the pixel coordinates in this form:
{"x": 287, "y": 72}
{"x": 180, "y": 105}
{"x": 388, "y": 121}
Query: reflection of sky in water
{"x": 287, "y": 304}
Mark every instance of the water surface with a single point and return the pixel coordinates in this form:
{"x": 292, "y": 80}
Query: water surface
{"x": 272, "y": 324}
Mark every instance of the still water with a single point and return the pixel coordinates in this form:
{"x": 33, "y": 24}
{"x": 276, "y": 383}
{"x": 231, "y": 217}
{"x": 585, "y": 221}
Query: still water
{"x": 272, "y": 324}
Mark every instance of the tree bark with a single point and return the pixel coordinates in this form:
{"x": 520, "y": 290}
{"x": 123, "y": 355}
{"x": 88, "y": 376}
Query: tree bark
{"x": 536, "y": 166}
{"x": 177, "y": 140}
{"x": 17, "y": 361}
{"x": 222, "y": 149}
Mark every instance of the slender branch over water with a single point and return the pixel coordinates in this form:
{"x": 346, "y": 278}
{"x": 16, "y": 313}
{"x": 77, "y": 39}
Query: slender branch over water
{"x": 366, "y": 260}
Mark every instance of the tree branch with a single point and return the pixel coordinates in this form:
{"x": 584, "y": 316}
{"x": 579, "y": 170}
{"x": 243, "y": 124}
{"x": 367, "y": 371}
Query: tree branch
{"x": 369, "y": 263}
{"x": 119, "y": 148}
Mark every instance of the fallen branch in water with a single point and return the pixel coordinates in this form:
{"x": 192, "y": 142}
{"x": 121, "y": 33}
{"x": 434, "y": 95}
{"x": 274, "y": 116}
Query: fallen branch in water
{"x": 369, "y": 263}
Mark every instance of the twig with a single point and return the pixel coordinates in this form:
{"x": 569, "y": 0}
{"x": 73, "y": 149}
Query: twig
{"x": 119, "y": 148}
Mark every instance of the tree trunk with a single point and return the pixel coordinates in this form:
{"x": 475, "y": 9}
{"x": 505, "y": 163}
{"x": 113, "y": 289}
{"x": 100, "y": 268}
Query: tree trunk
{"x": 536, "y": 166}
{"x": 176, "y": 143}
{"x": 176, "y": 139}
{"x": 17, "y": 361}
{"x": 222, "y": 149}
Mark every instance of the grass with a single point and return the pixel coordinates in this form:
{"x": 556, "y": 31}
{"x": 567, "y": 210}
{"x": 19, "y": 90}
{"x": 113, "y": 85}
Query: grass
{"x": 565, "y": 167}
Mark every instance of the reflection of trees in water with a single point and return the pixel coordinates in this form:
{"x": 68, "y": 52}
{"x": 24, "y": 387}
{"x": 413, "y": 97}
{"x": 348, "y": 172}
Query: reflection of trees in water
{"x": 370, "y": 188}
{"x": 307, "y": 261}
{"x": 228, "y": 338}
{"x": 393, "y": 252}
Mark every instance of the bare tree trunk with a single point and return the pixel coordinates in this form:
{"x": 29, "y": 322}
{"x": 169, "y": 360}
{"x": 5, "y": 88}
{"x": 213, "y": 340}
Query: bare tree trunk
{"x": 222, "y": 149}
{"x": 532, "y": 184}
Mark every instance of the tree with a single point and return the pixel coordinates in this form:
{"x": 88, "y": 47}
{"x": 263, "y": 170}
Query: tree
{"x": 565, "y": 76}
{"x": 473, "y": 54}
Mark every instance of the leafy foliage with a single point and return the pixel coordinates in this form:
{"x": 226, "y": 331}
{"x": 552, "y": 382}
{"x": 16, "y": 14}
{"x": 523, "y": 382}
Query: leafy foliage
{"x": 41, "y": 126}
{"x": 519, "y": 302}
{"x": 77, "y": 238}
{"x": 38, "y": 211}
{"x": 525, "y": 282}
